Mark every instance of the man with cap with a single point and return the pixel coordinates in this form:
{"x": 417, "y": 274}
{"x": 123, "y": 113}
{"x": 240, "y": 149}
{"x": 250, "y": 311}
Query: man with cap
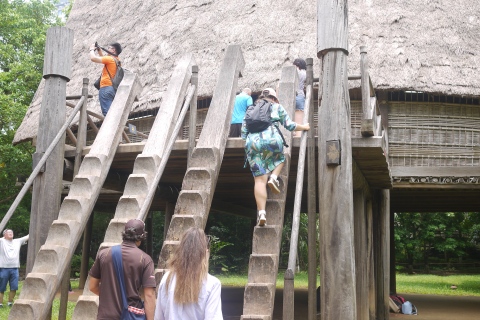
{"x": 138, "y": 272}
{"x": 106, "y": 93}
{"x": 265, "y": 151}
{"x": 9, "y": 264}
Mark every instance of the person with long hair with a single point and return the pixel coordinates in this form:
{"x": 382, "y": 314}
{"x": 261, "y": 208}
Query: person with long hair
{"x": 187, "y": 291}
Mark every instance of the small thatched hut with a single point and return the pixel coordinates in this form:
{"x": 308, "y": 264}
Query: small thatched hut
{"x": 426, "y": 45}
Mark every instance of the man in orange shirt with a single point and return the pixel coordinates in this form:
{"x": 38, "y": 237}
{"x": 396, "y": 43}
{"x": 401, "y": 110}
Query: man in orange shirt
{"x": 106, "y": 92}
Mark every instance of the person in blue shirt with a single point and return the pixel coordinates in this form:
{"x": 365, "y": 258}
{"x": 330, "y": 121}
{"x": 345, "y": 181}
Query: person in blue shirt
{"x": 242, "y": 101}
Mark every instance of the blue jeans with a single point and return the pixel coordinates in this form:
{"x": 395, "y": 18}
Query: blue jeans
{"x": 8, "y": 275}
{"x": 106, "y": 95}
{"x": 300, "y": 103}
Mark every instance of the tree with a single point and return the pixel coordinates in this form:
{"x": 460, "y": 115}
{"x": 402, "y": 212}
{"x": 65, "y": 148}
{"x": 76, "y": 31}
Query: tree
{"x": 23, "y": 27}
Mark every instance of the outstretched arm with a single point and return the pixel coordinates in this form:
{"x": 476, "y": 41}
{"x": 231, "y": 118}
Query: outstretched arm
{"x": 302, "y": 127}
{"x": 93, "y": 56}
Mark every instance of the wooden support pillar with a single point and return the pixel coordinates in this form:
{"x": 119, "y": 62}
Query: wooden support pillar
{"x": 361, "y": 244}
{"x": 149, "y": 229}
{"x": 370, "y": 261}
{"x": 393, "y": 274}
{"x": 312, "y": 205}
{"x": 87, "y": 239}
{"x": 337, "y": 258}
{"x": 169, "y": 210}
{"x": 381, "y": 252}
{"x": 48, "y": 184}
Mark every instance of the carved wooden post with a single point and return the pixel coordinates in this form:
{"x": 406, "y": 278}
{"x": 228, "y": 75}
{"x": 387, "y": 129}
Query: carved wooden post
{"x": 337, "y": 263}
{"x": 192, "y": 131}
{"x": 87, "y": 238}
{"x": 48, "y": 184}
{"x": 312, "y": 206}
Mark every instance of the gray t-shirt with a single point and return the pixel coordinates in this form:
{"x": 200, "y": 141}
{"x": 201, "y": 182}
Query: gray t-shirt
{"x": 10, "y": 252}
{"x": 302, "y": 76}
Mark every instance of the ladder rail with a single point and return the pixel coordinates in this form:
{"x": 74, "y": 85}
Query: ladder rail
{"x": 289, "y": 276}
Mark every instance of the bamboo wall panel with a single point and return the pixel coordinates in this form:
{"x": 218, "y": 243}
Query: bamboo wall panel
{"x": 434, "y": 134}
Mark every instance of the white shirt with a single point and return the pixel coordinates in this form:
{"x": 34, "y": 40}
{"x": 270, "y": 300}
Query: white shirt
{"x": 208, "y": 307}
{"x": 10, "y": 252}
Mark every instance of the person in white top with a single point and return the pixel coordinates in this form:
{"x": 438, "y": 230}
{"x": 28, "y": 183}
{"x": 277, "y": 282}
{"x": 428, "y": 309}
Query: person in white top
{"x": 187, "y": 291}
{"x": 300, "y": 94}
{"x": 9, "y": 264}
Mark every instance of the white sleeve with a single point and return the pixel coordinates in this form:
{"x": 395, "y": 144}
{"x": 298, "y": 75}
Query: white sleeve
{"x": 213, "y": 309}
{"x": 158, "y": 308}
{"x": 23, "y": 240}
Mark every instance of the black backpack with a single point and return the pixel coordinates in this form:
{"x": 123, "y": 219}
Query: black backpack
{"x": 257, "y": 117}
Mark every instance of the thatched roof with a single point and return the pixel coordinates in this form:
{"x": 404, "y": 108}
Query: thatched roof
{"x": 423, "y": 45}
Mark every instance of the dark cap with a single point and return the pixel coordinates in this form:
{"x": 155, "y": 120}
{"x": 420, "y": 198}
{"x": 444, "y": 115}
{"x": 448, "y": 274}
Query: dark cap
{"x": 135, "y": 225}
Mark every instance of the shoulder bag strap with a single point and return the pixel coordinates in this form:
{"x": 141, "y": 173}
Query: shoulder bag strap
{"x": 118, "y": 265}
{"x": 116, "y": 64}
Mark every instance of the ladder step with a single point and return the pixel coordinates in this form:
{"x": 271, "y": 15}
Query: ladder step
{"x": 167, "y": 249}
{"x": 258, "y": 299}
{"x": 82, "y": 186}
{"x": 115, "y": 229}
{"x": 262, "y": 268}
{"x": 180, "y": 224}
{"x": 86, "y": 308}
{"x": 266, "y": 240}
{"x": 146, "y": 164}
{"x": 61, "y": 233}
{"x": 25, "y": 310}
{"x": 128, "y": 205}
{"x": 192, "y": 202}
{"x": 255, "y": 318}
{"x": 38, "y": 284}
{"x": 49, "y": 259}
{"x": 159, "y": 273}
{"x": 274, "y": 209}
{"x": 92, "y": 164}
{"x": 137, "y": 184}
{"x": 205, "y": 157}
{"x": 72, "y": 207}
{"x": 198, "y": 178}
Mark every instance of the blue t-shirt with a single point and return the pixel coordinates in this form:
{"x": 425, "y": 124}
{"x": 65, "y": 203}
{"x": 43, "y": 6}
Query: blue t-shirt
{"x": 242, "y": 101}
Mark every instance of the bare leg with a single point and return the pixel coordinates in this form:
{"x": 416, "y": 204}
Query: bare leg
{"x": 11, "y": 295}
{"x": 260, "y": 191}
{"x": 278, "y": 169}
{"x": 299, "y": 116}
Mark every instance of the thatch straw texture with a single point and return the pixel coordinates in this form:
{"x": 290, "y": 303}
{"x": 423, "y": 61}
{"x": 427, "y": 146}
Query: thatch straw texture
{"x": 424, "y": 45}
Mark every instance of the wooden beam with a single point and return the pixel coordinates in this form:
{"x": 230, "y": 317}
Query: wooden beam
{"x": 47, "y": 186}
{"x": 435, "y": 171}
{"x": 337, "y": 263}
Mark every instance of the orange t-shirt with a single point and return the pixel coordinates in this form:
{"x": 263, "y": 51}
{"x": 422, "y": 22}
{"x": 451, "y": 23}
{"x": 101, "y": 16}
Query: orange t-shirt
{"x": 109, "y": 62}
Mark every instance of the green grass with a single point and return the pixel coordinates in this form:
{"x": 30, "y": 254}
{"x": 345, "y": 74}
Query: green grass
{"x": 467, "y": 285}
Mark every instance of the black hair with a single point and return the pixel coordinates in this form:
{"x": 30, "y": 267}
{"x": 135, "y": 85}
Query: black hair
{"x": 117, "y": 46}
{"x": 131, "y": 235}
{"x": 300, "y": 63}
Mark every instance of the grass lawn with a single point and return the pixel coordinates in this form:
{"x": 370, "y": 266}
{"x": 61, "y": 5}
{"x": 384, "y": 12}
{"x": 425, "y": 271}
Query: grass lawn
{"x": 467, "y": 285}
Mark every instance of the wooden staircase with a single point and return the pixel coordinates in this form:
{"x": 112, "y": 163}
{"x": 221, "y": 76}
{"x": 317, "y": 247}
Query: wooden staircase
{"x": 194, "y": 201}
{"x": 259, "y": 294}
{"x": 52, "y": 260}
{"x": 144, "y": 170}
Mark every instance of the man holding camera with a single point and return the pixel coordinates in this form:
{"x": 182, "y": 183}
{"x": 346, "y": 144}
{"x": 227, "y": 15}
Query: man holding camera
{"x": 106, "y": 92}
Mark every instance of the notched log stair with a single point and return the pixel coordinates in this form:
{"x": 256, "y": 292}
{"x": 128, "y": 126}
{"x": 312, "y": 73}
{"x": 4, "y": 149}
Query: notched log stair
{"x": 42, "y": 283}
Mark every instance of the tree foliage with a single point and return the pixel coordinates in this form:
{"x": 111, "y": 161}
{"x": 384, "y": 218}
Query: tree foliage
{"x": 23, "y": 26}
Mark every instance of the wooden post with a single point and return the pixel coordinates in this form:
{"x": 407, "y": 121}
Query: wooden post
{"x": 368, "y": 117}
{"x": 312, "y": 205}
{"x": 149, "y": 227}
{"x": 337, "y": 263}
{"x": 381, "y": 253}
{"x": 169, "y": 210}
{"x": 370, "y": 262}
{"x": 393, "y": 275}
{"x": 87, "y": 238}
{"x": 48, "y": 185}
{"x": 360, "y": 234}
{"x": 192, "y": 131}
{"x": 288, "y": 301}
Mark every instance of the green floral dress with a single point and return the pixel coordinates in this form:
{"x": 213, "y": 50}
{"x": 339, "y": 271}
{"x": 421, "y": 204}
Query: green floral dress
{"x": 265, "y": 149}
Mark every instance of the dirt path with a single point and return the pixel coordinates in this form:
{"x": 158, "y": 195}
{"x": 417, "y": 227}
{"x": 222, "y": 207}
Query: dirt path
{"x": 430, "y": 307}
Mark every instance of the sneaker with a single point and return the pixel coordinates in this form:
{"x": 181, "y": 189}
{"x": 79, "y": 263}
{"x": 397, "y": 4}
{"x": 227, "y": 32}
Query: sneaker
{"x": 10, "y": 304}
{"x": 262, "y": 220}
{"x": 1, "y": 305}
{"x": 274, "y": 185}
